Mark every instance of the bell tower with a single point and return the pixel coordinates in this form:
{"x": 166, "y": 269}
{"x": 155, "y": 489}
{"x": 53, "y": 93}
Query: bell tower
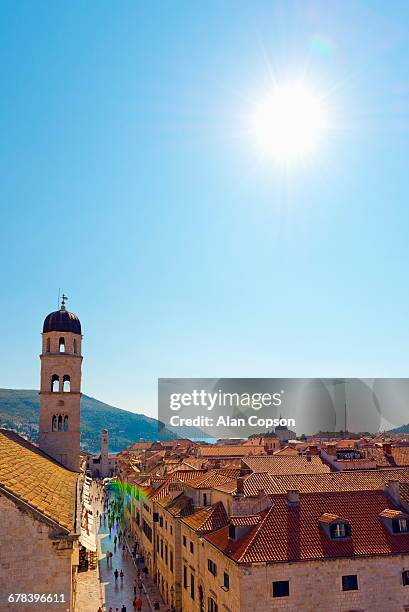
{"x": 60, "y": 388}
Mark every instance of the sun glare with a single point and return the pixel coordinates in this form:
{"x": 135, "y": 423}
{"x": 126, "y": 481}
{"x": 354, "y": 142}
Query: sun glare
{"x": 288, "y": 124}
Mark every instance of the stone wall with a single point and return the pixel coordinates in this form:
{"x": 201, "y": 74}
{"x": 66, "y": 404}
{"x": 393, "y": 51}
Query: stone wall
{"x": 31, "y": 562}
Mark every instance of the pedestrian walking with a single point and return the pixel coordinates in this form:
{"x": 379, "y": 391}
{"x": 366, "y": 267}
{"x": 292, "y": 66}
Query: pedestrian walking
{"x": 138, "y": 604}
{"x": 116, "y": 574}
{"x": 122, "y": 576}
{"x": 140, "y": 586}
{"x": 123, "y": 609}
{"x": 107, "y": 556}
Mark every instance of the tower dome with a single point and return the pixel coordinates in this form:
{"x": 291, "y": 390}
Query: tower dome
{"x": 62, "y": 320}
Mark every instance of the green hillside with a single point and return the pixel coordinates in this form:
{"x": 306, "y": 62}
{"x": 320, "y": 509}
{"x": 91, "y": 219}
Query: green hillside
{"x": 19, "y": 409}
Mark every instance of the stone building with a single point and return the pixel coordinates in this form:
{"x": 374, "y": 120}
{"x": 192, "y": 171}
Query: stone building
{"x": 104, "y": 464}
{"x": 40, "y": 513}
{"x": 41, "y": 487}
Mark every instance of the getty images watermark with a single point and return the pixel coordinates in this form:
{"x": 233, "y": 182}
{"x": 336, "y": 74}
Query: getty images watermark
{"x": 200, "y": 398}
{"x": 202, "y": 408}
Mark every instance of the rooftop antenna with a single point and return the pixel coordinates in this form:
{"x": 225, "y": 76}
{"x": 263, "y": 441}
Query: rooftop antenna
{"x": 58, "y": 301}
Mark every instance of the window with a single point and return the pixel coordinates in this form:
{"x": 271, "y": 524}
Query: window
{"x": 205, "y": 499}
{"x": 61, "y": 345}
{"x": 340, "y": 530}
{"x": 191, "y": 547}
{"x": 192, "y": 586}
{"x": 161, "y": 549}
{"x": 171, "y": 560}
{"x": 166, "y": 554}
{"x": 212, "y": 605}
{"x": 161, "y": 521}
{"x": 400, "y": 525}
{"x": 184, "y": 577}
{"x": 171, "y": 530}
{"x": 66, "y": 384}
{"x": 405, "y": 578}
{"x": 48, "y": 345}
{"x": 65, "y": 423}
{"x": 226, "y": 581}
{"x": 147, "y": 529}
{"x": 232, "y": 532}
{"x": 75, "y": 346}
{"x": 350, "y": 582}
{"x": 59, "y": 422}
{"x": 184, "y": 541}
{"x": 157, "y": 543}
{"x": 281, "y": 588}
{"x": 212, "y": 567}
{"x": 55, "y": 383}
{"x": 54, "y": 424}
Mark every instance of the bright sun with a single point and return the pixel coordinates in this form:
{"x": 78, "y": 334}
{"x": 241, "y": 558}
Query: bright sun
{"x": 288, "y": 123}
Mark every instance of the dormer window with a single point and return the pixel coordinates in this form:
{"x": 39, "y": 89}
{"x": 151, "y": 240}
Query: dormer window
{"x": 395, "y": 521}
{"x": 232, "y": 532}
{"x": 335, "y": 527}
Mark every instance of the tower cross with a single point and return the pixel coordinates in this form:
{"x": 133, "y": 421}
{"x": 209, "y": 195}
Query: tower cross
{"x": 64, "y": 298}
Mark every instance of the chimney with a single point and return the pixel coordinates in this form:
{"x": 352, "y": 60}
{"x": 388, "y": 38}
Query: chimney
{"x": 240, "y": 486}
{"x": 387, "y": 448}
{"x": 293, "y": 498}
{"x": 392, "y": 490}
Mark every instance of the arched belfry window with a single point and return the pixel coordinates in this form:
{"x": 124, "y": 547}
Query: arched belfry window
{"x": 55, "y": 383}
{"x": 54, "y": 424}
{"x": 59, "y": 422}
{"x": 48, "y": 349}
{"x": 66, "y": 384}
{"x": 65, "y": 423}
{"x": 75, "y": 346}
{"x": 61, "y": 345}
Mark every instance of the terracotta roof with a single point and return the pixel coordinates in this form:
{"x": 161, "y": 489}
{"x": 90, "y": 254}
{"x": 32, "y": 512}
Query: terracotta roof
{"x": 329, "y": 518}
{"x": 36, "y": 479}
{"x": 378, "y": 454}
{"x": 209, "y": 480}
{"x": 404, "y": 491}
{"x": 338, "y": 481}
{"x": 230, "y": 451}
{"x": 177, "y": 476}
{"x": 276, "y": 464}
{"x": 249, "y": 520}
{"x": 207, "y": 519}
{"x": 292, "y": 533}
{"x": 391, "y": 514}
{"x": 287, "y": 451}
{"x": 400, "y": 455}
{"x": 180, "y": 506}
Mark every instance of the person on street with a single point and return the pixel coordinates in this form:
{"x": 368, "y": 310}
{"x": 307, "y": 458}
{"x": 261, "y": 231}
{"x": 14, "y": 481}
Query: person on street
{"x": 116, "y": 574}
{"x": 138, "y": 604}
{"x": 122, "y": 576}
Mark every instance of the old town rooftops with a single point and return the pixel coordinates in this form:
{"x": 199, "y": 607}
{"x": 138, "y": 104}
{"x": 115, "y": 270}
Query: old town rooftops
{"x": 292, "y": 532}
{"x": 281, "y": 464}
{"x": 29, "y": 476}
{"x": 207, "y": 519}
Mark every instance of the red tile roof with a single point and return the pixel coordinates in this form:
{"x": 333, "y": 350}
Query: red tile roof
{"x": 279, "y": 464}
{"x": 249, "y": 520}
{"x": 338, "y": 481}
{"x": 208, "y": 519}
{"x": 230, "y": 451}
{"x": 293, "y": 533}
{"x": 209, "y": 480}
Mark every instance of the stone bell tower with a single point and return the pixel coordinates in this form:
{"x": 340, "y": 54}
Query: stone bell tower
{"x": 60, "y": 388}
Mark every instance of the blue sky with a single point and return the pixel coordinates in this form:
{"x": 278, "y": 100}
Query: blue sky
{"x": 127, "y": 178}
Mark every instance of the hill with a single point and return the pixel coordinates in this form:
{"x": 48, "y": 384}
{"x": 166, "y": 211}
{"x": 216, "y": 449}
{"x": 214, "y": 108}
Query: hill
{"x": 19, "y": 410}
